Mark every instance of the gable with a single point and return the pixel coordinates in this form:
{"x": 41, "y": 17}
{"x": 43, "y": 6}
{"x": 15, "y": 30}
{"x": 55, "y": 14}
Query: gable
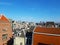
{"x": 3, "y": 18}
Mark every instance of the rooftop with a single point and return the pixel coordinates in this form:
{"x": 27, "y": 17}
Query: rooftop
{"x": 3, "y": 18}
{"x": 47, "y": 30}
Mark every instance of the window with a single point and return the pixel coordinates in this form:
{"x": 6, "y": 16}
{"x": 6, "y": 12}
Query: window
{"x": 4, "y": 30}
{"x": 14, "y": 25}
{"x": 21, "y": 43}
{"x": 4, "y": 36}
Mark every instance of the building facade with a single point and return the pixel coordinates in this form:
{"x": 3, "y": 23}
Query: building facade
{"x": 19, "y": 39}
{"x": 5, "y": 30}
{"x": 29, "y": 38}
{"x": 46, "y": 36}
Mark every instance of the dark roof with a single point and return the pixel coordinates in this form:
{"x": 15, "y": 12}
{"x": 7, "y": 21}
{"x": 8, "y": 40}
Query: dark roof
{"x": 47, "y": 23}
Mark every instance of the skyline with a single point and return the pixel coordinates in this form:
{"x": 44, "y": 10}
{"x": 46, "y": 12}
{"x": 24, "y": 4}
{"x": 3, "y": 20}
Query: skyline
{"x": 31, "y": 10}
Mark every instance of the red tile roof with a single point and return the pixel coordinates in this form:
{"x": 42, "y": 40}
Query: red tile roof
{"x": 47, "y": 30}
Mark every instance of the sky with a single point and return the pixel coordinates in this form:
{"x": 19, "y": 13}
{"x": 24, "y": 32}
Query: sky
{"x": 31, "y": 10}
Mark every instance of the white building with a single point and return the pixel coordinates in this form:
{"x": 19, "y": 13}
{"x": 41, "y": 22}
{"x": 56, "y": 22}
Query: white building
{"x": 20, "y": 39}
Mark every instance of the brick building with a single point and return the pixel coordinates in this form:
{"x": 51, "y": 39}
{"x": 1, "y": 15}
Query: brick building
{"x": 5, "y": 30}
{"x": 46, "y": 36}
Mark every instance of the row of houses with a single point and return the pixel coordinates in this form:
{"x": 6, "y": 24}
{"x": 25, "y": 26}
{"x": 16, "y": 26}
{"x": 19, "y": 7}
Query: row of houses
{"x": 22, "y": 25}
{"x": 47, "y": 34}
{"x": 23, "y": 33}
{"x": 43, "y": 35}
{"x": 49, "y": 24}
{"x": 7, "y": 28}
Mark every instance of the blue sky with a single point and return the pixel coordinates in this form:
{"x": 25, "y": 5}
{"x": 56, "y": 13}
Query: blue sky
{"x": 31, "y": 10}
